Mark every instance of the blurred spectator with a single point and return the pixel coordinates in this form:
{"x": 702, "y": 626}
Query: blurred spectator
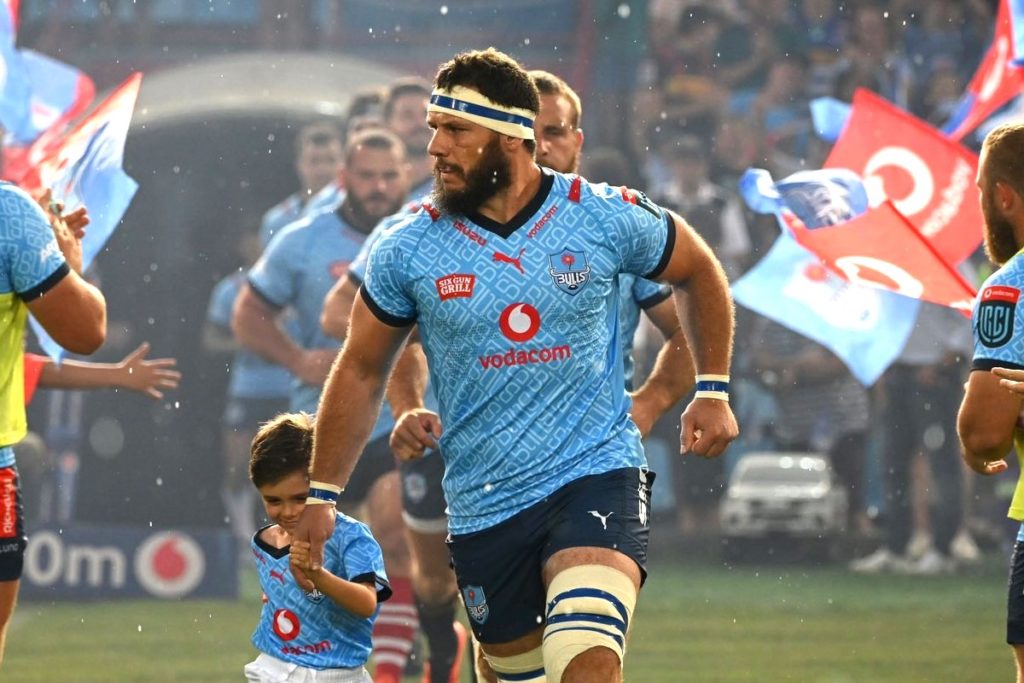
{"x": 826, "y": 29}
{"x": 822, "y": 408}
{"x": 715, "y": 212}
{"x": 781, "y": 115}
{"x": 920, "y": 397}
{"x": 872, "y": 59}
{"x": 607, "y": 165}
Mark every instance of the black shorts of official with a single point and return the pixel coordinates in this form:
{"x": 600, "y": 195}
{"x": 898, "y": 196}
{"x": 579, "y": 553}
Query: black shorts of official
{"x": 1015, "y": 597}
{"x": 12, "y": 525}
{"x": 423, "y": 506}
{"x": 374, "y": 463}
{"x": 247, "y": 414}
{"x": 499, "y": 570}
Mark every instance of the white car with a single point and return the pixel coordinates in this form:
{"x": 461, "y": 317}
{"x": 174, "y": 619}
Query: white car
{"x": 783, "y": 495}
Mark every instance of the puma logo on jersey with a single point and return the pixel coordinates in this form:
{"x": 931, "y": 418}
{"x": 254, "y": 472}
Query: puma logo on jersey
{"x": 516, "y": 262}
{"x": 274, "y": 574}
{"x": 603, "y": 518}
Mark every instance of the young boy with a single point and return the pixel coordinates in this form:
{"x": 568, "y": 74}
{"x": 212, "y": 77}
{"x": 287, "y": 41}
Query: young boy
{"x": 322, "y": 636}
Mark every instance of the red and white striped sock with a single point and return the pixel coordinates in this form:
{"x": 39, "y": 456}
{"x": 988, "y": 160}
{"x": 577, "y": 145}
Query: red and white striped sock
{"x": 393, "y": 632}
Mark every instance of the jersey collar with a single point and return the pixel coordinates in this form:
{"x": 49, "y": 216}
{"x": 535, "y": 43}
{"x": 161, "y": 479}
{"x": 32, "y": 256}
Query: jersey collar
{"x": 504, "y": 230}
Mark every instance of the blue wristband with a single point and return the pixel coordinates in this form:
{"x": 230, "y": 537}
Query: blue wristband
{"x": 710, "y": 385}
{"x": 323, "y": 494}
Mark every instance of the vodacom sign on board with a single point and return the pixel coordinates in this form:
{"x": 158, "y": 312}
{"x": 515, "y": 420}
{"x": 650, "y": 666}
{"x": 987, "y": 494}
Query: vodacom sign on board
{"x": 928, "y": 178}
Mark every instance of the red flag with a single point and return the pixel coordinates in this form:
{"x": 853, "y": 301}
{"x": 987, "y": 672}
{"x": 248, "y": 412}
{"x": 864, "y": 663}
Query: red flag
{"x": 880, "y": 248}
{"x": 929, "y": 178}
{"x": 996, "y": 81}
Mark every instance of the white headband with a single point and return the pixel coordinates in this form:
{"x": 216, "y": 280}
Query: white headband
{"x": 468, "y": 104}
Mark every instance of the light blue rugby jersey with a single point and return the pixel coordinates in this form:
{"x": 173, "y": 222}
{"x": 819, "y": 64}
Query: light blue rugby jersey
{"x": 251, "y": 376}
{"x": 309, "y": 629}
{"x": 998, "y": 318}
{"x": 31, "y": 264}
{"x": 635, "y": 294}
{"x": 297, "y": 270}
{"x": 292, "y": 208}
{"x": 520, "y": 324}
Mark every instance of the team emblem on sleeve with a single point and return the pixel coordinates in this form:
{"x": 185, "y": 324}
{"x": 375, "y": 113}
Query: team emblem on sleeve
{"x": 569, "y": 270}
{"x": 996, "y": 314}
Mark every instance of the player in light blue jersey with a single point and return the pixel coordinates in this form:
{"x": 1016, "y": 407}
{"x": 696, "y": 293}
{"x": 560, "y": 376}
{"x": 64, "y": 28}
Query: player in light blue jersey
{"x": 559, "y": 143}
{"x": 989, "y": 423}
{"x": 318, "y": 159}
{"x": 513, "y": 282}
{"x": 40, "y": 272}
{"x": 323, "y": 634}
{"x": 296, "y": 271}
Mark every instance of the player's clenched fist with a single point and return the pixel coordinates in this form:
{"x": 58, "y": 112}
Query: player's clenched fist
{"x": 415, "y": 432}
{"x": 708, "y": 427}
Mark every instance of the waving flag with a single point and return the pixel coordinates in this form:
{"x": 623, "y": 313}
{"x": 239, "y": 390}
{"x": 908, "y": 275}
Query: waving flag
{"x": 829, "y": 116}
{"x": 58, "y": 94}
{"x": 83, "y": 167}
{"x": 997, "y": 80}
{"x": 928, "y": 177}
{"x": 865, "y": 327}
{"x": 11, "y": 8}
{"x": 881, "y": 249}
{"x": 1015, "y": 9}
{"x": 14, "y": 83}
{"x": 824, "y": 197}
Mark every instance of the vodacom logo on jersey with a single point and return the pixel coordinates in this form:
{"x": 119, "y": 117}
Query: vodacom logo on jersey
{"x": 286, "y": 624}
{"x": 520, "y": 322}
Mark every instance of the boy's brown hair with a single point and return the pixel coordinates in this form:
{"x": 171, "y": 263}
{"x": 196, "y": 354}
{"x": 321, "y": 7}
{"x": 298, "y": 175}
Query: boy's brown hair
{"x": 281, "y": 447}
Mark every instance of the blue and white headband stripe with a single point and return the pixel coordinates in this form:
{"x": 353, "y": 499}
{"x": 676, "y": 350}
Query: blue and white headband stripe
{"x": 468, "y": 104}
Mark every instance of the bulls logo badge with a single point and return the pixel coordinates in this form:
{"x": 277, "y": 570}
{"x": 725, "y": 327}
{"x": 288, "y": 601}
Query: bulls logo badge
{"x": 569, "y": 270}
{"x": 476, "y": 603}
{"x": 996, "y": 314}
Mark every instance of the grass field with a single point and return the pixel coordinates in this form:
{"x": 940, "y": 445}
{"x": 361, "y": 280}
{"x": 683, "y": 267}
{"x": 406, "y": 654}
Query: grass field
{"x": 697, "y": 622}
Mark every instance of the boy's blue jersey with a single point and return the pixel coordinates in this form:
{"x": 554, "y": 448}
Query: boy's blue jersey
{"x": 309, "y": 629}
{"x": 520, "y": 325}
{"x": 635, "y": 294}
{"x": 297, "y": 270}
{"x": 251, "y": 376}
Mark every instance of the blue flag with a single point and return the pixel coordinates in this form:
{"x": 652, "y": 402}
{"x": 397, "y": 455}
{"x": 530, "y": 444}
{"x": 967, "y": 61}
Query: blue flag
{"x": 865, "y": 327}
{"x": 85, "y": 169}
{"x": 829, "y": 116}
{"x": 1017, "y": 30}
{"x": 818, "y": 198}
{"x": 58, "y": 92}
{"x": 14, "y": 84}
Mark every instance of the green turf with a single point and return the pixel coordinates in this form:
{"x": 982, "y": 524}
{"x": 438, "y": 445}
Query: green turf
{"x": 694, "y": 623}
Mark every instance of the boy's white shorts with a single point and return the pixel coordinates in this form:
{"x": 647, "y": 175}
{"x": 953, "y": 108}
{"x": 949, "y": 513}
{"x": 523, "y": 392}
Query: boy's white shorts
{"x": 267, "y": 669}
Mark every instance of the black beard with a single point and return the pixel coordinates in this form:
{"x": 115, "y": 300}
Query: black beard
{"x": 491, "y": 175}
{"x": 1000, "y": 242}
